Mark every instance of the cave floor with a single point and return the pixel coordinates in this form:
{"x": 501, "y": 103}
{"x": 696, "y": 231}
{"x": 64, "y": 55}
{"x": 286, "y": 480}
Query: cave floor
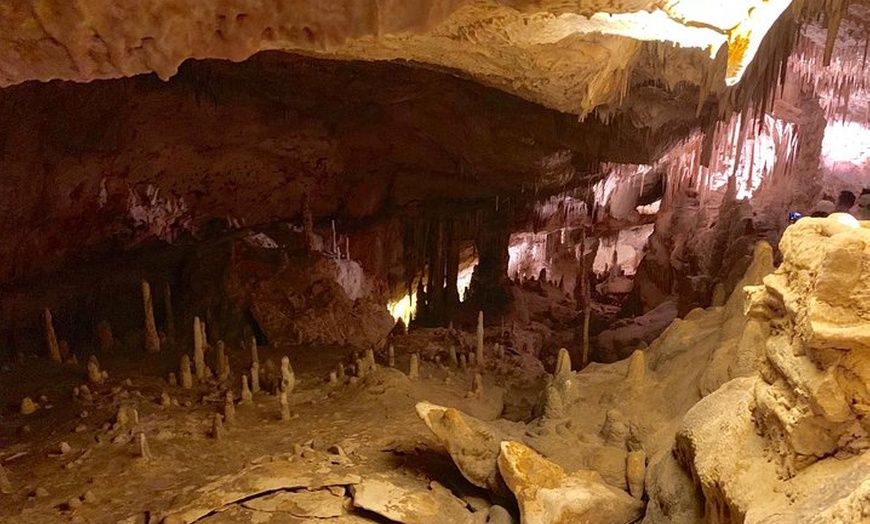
{"x": 71, "y": 462}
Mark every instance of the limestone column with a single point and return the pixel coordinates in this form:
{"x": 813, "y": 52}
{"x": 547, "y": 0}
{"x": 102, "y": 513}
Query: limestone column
{"x": 198, "y": 350}
{"x": 152, "y": 341}
{"x": 51, "y": 337}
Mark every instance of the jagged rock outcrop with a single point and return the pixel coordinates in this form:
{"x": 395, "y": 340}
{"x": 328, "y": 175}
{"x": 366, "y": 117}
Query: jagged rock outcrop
{"x": 750, "y": 445}
{"x": 814, "y": 400}
{"x": 547, "y": 495}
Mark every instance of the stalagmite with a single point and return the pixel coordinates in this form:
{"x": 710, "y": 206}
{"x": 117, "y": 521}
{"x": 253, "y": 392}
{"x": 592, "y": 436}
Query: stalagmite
{"x": 371, "y": 364}
{"x": 391, "y": 356}
{"x": 144, "y": 450}
{"x": 472, "y": 360}
{"x": 451, "y": 353}
{"x": 333, "y": 378}
{"x": 168, "y": 311}
{"x": 285, "y": 406}
{"x": 247, "y": 396}
{"x": 94, "y": 374}
{"x": 230, "y": 409}
{"x": 563, "y": 364}
{"x": 217, "y": 427}
{"x": 27, "y": 406}
{"x": 360, "y": 368}
{"x": 202, "y": 326}
{"x": 477, "y": 385}
{"x": 342, "y": 374}
{"x": 414, "y": 367}
{"x": 463, "y": 362}
{"x": 51, "y": 338}
{"x": 635, "y": 471}
{"x": 255, "y": 355}
{"x": 152, "y": 341}
{"x": 288, "y": 378}
{"x": 636, "y": 368}
{"x": 586, "y": 295}
{"x": 172, "y": 380}
{"x": 255, "y": 377}
{"x": 221, "y": 363}
{"x": 104, "y": 334}
{"x": 480, "y": 360}
{"x": 186, "y": 376}
{"x": 165, "y": 399}
{"x": 198, "y": 349}
{"x": 85, "y": 393}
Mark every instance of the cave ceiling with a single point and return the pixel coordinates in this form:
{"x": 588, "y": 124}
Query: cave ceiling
{"x": 572, "y": 56}
{"x": 364, "y": 105}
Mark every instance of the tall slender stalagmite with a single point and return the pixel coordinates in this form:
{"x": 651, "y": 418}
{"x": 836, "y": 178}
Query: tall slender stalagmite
{"x": 480, "y": 338}
{"x": 152, "y": 341}
{"x": 221, "y": 361}
{"x": 255, "y": 356}
{"x": 51, "y": 338}
{"x": 198, "y": 350}
{"x": 584, "y": 291}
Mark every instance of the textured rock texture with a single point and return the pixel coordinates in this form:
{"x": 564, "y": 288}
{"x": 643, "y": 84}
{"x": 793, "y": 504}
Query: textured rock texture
{"x": 790, "y": 444}
{"x": 568, "y": 56}
{"x": 546, "y": 495}
{"x": 814, "y": 400}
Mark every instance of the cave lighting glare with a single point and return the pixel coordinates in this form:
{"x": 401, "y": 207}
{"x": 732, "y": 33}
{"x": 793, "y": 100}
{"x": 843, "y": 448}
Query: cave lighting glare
{"x": 847, "y": 220}
{"x": 403, "y": 308}
{"x": 406, "y": 307}
{"x": 846, "y": 142}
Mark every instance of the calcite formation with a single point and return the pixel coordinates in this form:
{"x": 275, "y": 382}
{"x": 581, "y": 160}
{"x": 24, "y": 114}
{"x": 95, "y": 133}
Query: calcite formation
{"x": 152, "y": 340}
{"x": 198, "y": 349}
{"x": 547, "y": 495}
{"x": 51, "y": 337}
{"x": 814, "y": 399}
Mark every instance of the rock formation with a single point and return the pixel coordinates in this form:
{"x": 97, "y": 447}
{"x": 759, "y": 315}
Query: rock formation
{"x": 152, "y": 341}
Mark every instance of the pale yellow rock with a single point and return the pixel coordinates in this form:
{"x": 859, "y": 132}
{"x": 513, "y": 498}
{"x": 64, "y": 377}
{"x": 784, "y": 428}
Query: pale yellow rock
{"x": 635, "y": 472}
{"x": 473, "y": 445}
{"x": 27, "y": 406}
{"x": 636, "y": 369}
{"x": 190, "y": 506}
{"x": 547, "y": 495}
{"x": 388, "y": 497}
{"x": 563, "y": 364}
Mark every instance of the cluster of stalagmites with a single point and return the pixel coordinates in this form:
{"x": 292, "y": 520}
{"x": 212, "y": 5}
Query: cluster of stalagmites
{"x": 814, "y": 399}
